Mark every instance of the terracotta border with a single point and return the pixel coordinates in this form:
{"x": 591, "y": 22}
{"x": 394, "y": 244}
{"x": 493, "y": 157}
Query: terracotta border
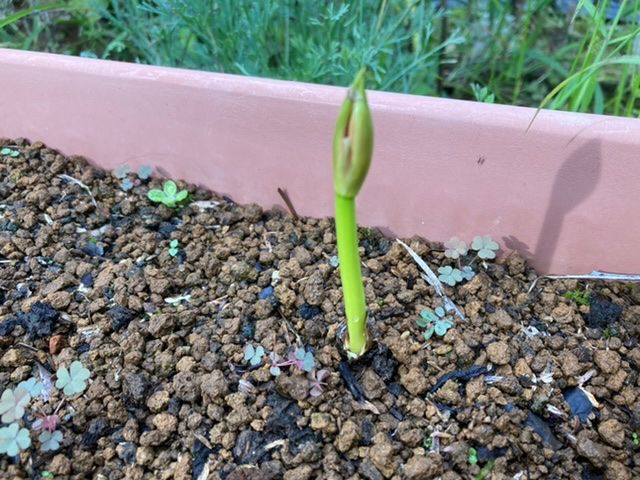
{"x": 566, "y": 194}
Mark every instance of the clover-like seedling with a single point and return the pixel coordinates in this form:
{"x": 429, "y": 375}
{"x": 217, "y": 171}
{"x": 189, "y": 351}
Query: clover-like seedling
{"x": 145, "y": 172}
{"x": 455, "y": 248}
{"x": 275, "y": 364}
{"x": 450, "y": 275}
{"x": 318, "y": 382}
{"x": 13, "y": 403}
{"x": 485, "y": 246}
{"x": 50, "y": 441}
{"x": 253, "y": 355}
{"x": 32, "y": 386}
{"x": 299, "y": 358}
{"x": 472, "y": 456}
{"x": 14, "y": 439}
{"x": 73, "y": 380}
{"x": 468, "y": 273}
{"x": 435, "y": 321}
{"x": 126, "y": 185}
{"x": 10, "y": 152}
{"x": 48, "y": 423}
{"x": 174, "y": 248}
{"x": 121, "y": 171}
{"x": 302, "y": 360}
{"x": 169, "y": 195}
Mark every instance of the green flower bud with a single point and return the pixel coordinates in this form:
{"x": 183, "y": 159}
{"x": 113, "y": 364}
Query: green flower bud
{"x": 353, "y": 141}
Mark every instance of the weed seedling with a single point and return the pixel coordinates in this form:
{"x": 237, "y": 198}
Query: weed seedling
{"x": 472, "y": 456}
{"x": 581, "y": 297}
{"x": 13, "y": 404}
{"x": 169, "y": 195}
{"x": 124, "y": 174}
{"x": 253, "y": 355}
{"x": 300, "y": 359}
{"x": 174, "y": 248}
{"x": 352, "y": 150}
{"x": 456, "y": 249}
{"x": 318, "y": 383}
{"x": 435, "y": 322}
{"x": 635, "y": 439}
{"x": 10, "y": 152}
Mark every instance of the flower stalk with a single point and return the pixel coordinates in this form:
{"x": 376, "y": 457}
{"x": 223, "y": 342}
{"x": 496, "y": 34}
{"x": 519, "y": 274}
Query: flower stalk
{"x": 352, "y": 150}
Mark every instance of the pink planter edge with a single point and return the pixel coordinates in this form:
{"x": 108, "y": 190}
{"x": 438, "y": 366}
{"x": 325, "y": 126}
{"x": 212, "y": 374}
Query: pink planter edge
{"x": 566, "y": 193}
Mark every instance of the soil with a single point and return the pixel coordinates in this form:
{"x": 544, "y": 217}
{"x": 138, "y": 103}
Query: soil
{"x": 171, "y": 395}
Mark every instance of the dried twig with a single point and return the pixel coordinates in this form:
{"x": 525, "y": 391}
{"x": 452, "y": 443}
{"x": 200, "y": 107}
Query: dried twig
{"x": 287, "y": 200}
{"x": 595, "y": 275}
{"x": 81, "y": 185}
{"x": 431, "y": 278}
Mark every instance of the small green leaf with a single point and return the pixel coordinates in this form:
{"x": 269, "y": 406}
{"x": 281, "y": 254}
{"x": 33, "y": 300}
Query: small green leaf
{"x": 249, "y": 352}
{"x": 485, "y": 246}
{"x": 181, "y": 196}
{"x": 33, "y": 386}
{"x": 121, "y": 171}
{"x": 126, "y": 185}
{"x": 442, "y": 326}
{"x": 145, "y": 172}
{"x": 428, "y": 315}
{"x": 455, "y": 248}
{"x": 428, "y": 334}
{"x": 156, "y": 196}
{"x": 174, "y": 243}
{"x": 170, "y": 188}
{"x": 13, "y": 403}
{"x": 309, "y": 362}
{"x": 50, "y": 441}
{"x": 74, "y": 380}
{"x": 422, "y": 322}
{"x": 473, "y": 456}
{"x": 14, "y": 439}
{"x": 440, "y": 312}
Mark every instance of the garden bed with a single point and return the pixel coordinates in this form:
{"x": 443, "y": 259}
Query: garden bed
{"x": 165, "y": 333}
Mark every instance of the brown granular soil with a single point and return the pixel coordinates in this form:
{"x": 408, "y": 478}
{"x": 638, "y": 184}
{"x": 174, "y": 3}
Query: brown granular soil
{"x": 171, "y": 395}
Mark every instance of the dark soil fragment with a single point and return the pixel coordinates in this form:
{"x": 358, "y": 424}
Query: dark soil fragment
{"x": 200, "y": 456}
{"x": 7, "y": 326}
{"x": 602, "y": 312}
{"x": 249, "y": 448}
{"x": 463, "y": 375}
{"x": 98, "y": 428}
{"x": 40, "y": 320}
{"x": 307, "y": 312}
{"x": 543, "y": 429}
{"x": 579, "y": 404}
{"x": 120, "y": 317}
{"x": 384, "y": 363}
{"x": 351, "y": 382}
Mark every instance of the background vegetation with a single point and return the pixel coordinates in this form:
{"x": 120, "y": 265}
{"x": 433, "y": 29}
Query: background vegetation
{"x": 513, "y": 52}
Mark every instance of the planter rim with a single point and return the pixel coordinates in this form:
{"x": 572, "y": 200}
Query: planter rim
{"x": 301, "y": 91}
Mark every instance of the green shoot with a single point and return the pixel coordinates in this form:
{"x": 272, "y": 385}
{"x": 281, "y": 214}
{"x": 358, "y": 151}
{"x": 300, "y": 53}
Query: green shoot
{"x": 472, "y": 456}
{"x": 169, "y": 195}
{"x": 352, "y": 149}
{"x": 174, "y": 248}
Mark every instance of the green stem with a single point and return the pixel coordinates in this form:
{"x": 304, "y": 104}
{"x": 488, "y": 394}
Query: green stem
{"x": 350, "y": 274}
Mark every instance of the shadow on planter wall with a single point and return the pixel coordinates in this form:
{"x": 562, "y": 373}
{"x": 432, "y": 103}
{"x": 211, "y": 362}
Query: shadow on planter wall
{"x": 574, "y": 182}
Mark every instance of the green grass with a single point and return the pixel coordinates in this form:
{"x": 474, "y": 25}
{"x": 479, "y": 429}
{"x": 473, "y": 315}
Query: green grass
{"x": 521, "y": 53}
